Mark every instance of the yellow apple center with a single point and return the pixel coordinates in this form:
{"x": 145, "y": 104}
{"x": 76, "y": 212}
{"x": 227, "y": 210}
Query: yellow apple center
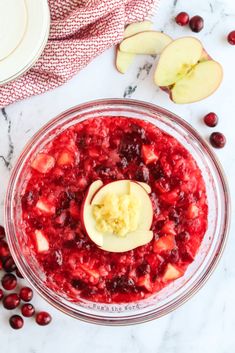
{"x": 117, "y": 214}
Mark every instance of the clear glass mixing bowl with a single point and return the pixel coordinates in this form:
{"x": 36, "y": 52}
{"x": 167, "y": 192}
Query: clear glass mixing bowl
{"x": 211, "y": 248}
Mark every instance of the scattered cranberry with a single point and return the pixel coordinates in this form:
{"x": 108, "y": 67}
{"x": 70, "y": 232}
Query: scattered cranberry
{"x": 27, "y": 310}
{"x": 2, "y": 232}
{"x": 9, "y": 264}
{"x": 4, "y": 249}
{"x": 211, "y": 119}
{"x": 182, "y": 19}
{"x": 1, "y": 294}
{"x": 43, "y": 318}
{"x": 18, "y": 274}
{"x": 16, "y": 322}
{"x": 196, "y": 23}
{"x": 217, "y": 139}
{"x": 231, "y": 38}
{"x": 11, "y": 301}
{"x": 9, "y": 281}
{"x": 26, "y": 294}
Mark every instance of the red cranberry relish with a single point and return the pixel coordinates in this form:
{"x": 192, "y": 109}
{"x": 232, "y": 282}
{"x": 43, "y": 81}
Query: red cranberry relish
{"x": 111, "y": 148}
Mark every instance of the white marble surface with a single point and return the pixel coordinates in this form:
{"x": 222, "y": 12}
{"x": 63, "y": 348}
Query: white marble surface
{"x": 206, "y": 323}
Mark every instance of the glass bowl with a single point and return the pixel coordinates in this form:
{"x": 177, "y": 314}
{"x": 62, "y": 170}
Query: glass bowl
{"x": 177, "y": 292}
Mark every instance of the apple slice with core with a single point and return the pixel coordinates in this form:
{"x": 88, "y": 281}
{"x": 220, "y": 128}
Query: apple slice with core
{"x": 95, "y": 199}
{"x": 200, "y": 83}
{"x": 187, "y": 72}
{"x": 176, "y": 60}
{"x": 148, "y": 42}
{"x": 124, "y": 60}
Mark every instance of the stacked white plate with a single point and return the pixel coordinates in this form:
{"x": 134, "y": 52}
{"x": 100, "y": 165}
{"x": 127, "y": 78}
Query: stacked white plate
{"x": 24, "y": 30}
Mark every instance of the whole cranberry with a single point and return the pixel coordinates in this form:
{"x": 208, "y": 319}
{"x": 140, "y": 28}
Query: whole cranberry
{"x": 182, "y": 19}
{"x": 1, "y": 294}
{"x": 18, "y": 274}
{"x": 196, "y": 23}
{"x": 9, "y": 281}
{"x": 4, "y": 249}
{"x": 217, "y": 139}
{"x": 2, "y": 232}
{"x": 11, "y": 301}
{"x": 211, "y": 119}
{"x": 26, "y": 294}
{"x": 231, "y": 38}
{"x": 9, "y": 264}
{"x": 43, "y": 318}
{"x": 27, "y": 310}
{"x": 16, "y": 322}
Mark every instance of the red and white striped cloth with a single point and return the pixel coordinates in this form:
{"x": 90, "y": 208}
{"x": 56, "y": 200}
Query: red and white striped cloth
{"x": 80, "y": 30}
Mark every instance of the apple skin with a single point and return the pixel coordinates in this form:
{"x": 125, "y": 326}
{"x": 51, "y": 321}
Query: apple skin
{"x": 165, "y": 89}
{"x": 205, "y": 56}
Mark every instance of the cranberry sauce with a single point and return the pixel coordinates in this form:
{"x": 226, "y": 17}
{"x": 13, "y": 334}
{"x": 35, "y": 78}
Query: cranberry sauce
{"x": 109, "y": 149}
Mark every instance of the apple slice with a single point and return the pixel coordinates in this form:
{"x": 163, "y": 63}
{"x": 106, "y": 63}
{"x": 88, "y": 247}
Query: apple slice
{"x": 198, "y": 84}
{"x": 124, "y": 60}
{"x": 148, "y": 42}
{"x": 146, "y": 187}
{"x": 109, "y": 241}
{"x": 41, "y": 241}
{"x": 187, "y": 72}
{"x": 176, "y": 60}
{"x": 137, "y": 27}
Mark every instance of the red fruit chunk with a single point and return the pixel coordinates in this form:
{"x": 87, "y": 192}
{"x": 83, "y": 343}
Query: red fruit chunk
{"x": 182, "y": 19}
{"x": 43, "y": 163}
{"x": 1, "y": 294}
{"x": 165, "y": 243}
{"x": 231, "y": 38}
{"x": 43, "y": 318}
{"x": 9, "y": 281}
{"x": 9, "y": 264}
{"x": 16, "y": 322}
{"x": 169, "y": 228}
{"x": 148, "y": 154}
{"x": 11, "y": 301}
{"x": 4, "y": 249}
{"x": 26, "y": 294}
{"x": 42, "y": 243}
{"x": 211, "y": 119}
{"x": 217, "y": 139}
{"x": 172, "y": 272}
{"x": 196, "y": 24}
{"x": 27, "y": 310}
{"x": 2, "y": 232}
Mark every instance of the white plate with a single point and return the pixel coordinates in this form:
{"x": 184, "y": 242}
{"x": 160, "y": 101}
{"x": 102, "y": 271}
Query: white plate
{"x": 26, "y": 50}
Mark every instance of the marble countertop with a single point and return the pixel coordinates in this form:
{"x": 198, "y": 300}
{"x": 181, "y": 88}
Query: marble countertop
{"x": 205, "y": 323}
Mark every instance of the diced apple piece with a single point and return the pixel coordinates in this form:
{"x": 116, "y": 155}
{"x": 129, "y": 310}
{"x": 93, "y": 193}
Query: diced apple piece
{"x": 165, "y": 243}
{"x": 176, "y": 60}
{"x": 145, "y": 282}
{"x": 65, "y": 158}
{"x": 43, "y": 163}
{"x": 201, "y": 82}
{"x": 148, "y": 154}
{"x": 124, "y": 60}
{"x": 137, "y": 27}
{"x": 42, "y": 243}
{"x": 193, "y": 211}
{"x": 172, "y": 272}
{"x": 148, "y": 42}
{"x": 169, "y": 228}
{"x": 44, "y": 206}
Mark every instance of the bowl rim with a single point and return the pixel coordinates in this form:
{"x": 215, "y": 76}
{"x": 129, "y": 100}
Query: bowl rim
{"x": 129, "y": 320}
